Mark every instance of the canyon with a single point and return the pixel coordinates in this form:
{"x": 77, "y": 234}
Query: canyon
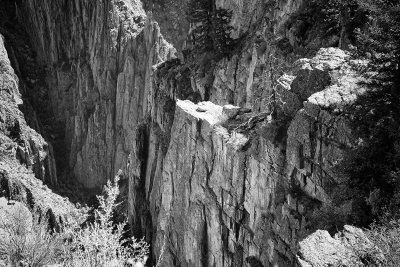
{"x": 226, "y": 162}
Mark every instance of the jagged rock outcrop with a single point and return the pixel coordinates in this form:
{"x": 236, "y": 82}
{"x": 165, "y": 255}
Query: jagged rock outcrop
{"x": 320, "y": 133}
{"x": 18, "y": 140}
{"x": 240, "y": 188}
{"x": 25, "y": 157}
{"x": 350, "y": 247}
{"x": 233, "y": 181}
{"x": 215, "y": 203}
{"x": 247, "y": 183}
{"x": 99, "y": 67}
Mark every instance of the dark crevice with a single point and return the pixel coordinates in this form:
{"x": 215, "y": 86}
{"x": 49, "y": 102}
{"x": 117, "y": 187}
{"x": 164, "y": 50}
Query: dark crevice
{"x": 204, "y": 247}
{"x": 142, "y": 224}
{"x": 37, "y": 106}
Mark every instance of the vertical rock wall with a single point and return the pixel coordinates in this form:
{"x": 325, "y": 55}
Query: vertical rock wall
{"x": 25, "y": 157}
{"x": 209, "y": 185}
{"x": 218, "y": 195}
{"x": 240, "y": 188}
{"x": 99, "y": 57}
{"x": 19, "y": 142}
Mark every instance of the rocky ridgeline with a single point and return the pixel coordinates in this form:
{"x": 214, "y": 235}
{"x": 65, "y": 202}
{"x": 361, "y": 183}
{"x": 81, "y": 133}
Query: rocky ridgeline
{"x": 222, "y": 166}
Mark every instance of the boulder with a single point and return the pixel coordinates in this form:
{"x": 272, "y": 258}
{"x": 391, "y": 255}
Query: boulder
{"x": 350, "y": 247}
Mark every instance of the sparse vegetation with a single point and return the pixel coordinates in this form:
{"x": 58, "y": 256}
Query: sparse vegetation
{"x": 385, "y": 234}
{"x": 25, "y": 240}
{"x": 102, "y": 243}
{"x": 98, "y": 243}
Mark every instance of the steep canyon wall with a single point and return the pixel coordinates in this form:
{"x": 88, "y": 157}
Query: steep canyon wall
{"x": 99, "y": 57}
{"x": 26, "y": 158}
{"x": 224, "y": 165}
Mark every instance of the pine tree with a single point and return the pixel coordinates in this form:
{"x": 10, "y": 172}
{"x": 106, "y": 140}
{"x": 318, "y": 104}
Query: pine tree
{"x": 210, "y": 27}
{"x": 382, "y": 39}
{"x": 375, "y": 164}
{"x": 223, "y": 41}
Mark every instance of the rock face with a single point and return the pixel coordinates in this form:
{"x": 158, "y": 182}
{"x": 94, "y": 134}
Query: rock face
{"x": 236, "y": 189}
{"x": 226, "y": 191}
{"x": 26, "y": 160}
{"x": 223, "y": 164}
{"x": 100, "y": 69}
{"x": 18, "y": 140}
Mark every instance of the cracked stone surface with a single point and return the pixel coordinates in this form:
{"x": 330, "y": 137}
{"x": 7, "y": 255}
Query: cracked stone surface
{"x": 202, "y": 189}
{"x": 347, "y": 248}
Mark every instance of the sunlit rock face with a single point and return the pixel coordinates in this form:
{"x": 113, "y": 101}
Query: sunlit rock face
{"x": 221, "y": 168}
{"x": 215, "y": 202}
{"x": 99, "y": 58}
{"x": 19, "y": 141}
{"x": 349, "y": 247}
{"x": 238, "y": 188}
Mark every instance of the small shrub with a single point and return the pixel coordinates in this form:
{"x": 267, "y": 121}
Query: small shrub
{"x": 101, "y": 243}
{"x": 329, "y": 217}
{"x": 25, "y": 240}
{"x": 385, "y": 234}
{"x": 30, "y": 242}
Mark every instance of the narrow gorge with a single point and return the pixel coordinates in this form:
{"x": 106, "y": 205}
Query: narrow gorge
{"x": 223, "y": 160}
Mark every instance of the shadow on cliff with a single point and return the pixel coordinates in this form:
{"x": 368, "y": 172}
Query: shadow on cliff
{"x": 37, "y": 106}
{"x": 373, "y": 166}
